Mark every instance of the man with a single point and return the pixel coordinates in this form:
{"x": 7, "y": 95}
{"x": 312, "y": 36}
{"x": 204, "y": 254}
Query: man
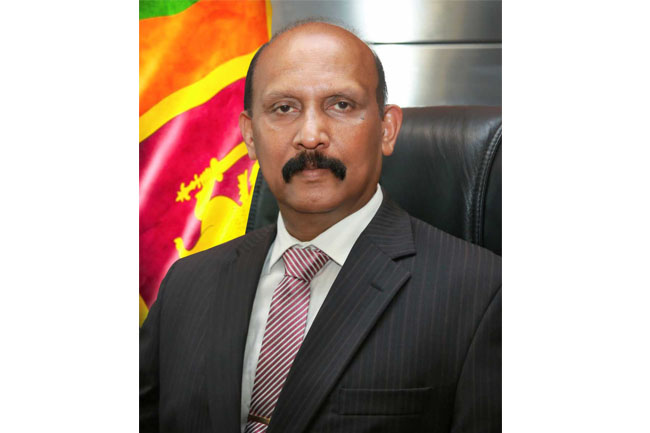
{"x": 348, "y": 315}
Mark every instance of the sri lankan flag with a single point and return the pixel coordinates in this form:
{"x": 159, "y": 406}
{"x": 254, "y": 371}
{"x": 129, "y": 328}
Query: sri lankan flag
{"x": 196, "y": 179}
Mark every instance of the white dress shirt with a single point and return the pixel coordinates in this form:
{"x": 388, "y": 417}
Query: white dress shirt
{"x": 336, "y": 242}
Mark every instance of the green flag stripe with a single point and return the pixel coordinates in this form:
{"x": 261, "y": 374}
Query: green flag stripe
{"x": 162, "y": 8}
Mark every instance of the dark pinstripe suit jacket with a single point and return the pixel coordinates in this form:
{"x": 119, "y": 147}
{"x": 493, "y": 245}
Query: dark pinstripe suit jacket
{"x": 408, "y": 339}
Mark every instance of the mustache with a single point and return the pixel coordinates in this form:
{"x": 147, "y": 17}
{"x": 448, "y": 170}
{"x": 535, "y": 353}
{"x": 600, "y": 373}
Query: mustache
{"x": 312, "y": 159}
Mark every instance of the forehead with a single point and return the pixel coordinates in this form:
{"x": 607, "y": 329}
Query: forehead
{"x": 314, "y": 58}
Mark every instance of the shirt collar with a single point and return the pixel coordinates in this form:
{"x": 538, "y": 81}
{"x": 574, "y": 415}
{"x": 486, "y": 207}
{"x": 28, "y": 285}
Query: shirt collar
{"x": 336, "y": 241}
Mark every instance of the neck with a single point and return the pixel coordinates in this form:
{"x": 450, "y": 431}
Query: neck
{"x": 306, "y": 227}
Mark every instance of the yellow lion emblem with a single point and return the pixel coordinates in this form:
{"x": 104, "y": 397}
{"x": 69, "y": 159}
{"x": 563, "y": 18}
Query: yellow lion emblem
{"x": 222, "y": 219}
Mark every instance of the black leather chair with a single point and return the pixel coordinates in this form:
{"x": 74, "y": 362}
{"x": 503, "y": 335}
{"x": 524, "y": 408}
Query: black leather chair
{"x": 446, "y": 170}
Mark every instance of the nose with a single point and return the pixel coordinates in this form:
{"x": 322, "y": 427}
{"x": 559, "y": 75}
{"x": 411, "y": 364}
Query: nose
{"x": 312, "y": 133}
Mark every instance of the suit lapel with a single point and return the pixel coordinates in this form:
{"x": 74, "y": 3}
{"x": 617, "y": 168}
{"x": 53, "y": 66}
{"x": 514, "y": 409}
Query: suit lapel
{"x": 363, "y": 289}
{"x": 228, "y": 324}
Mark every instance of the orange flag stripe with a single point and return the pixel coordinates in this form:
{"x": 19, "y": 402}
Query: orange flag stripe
{"x": 178, "y": 50}
{"x": 194, "y": 94}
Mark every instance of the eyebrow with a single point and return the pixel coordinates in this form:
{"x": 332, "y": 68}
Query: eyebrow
{"x": 278, "y": 95}
{"x": 342, "y": 94}
{"x": 347, "y": 91}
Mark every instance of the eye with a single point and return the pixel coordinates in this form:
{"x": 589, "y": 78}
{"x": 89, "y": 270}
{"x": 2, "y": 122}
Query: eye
{"x": 342, "y": 105}
{"x": 283, "y": 108}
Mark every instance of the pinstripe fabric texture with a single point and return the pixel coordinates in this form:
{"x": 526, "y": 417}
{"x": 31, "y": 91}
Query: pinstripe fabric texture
{"x": 285, "y": 329}
{"x": 407, "y": 340}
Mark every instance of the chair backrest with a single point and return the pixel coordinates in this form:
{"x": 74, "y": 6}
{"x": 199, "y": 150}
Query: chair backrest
{"x": 446, "y": 170}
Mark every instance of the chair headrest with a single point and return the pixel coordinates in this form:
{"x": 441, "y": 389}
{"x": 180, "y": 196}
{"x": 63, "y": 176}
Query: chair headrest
{"x": 446, "y": 170}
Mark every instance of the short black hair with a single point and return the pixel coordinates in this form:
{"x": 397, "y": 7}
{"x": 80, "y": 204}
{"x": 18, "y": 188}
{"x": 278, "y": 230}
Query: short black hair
{"x": 382, "y": 89}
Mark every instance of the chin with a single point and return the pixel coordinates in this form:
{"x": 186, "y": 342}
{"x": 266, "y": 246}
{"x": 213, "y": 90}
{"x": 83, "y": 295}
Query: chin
{"x": 312, "y": 204}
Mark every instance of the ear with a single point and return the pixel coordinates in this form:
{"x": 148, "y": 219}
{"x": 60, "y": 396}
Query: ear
{"x": 390, "y": 124}
{"x": 246, "y": 128}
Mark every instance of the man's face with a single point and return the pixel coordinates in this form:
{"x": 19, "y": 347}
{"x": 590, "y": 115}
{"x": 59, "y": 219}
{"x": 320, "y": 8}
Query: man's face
{"x": 314, "y": 89}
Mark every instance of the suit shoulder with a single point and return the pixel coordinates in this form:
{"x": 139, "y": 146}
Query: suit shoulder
{"x": 453, "y": 257}
{"x": 191, "y": 276}
{"x": 220, "y": 253}
{"x": 426, "y": 234}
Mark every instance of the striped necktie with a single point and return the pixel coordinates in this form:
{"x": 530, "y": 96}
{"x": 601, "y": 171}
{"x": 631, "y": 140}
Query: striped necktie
{"x": 285, "y": 330}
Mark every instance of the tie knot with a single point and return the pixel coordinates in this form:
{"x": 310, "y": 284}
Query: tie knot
{"x": 303, "y": 263}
